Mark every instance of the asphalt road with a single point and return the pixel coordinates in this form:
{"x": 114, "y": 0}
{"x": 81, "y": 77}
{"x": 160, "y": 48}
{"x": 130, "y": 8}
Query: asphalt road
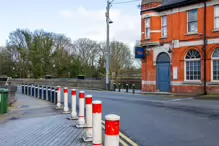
{"x": 153, "y": 125}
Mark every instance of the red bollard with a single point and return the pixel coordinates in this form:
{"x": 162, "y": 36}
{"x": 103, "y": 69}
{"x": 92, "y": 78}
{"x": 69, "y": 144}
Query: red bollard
{"x": 97, "y": 123}
{"x": 81, "y": 120}
{"x": 112, "y": 127}
{"x": 66, "y": 109}
{"x": 73, "y": 105}
{"x": 88, "y": 136}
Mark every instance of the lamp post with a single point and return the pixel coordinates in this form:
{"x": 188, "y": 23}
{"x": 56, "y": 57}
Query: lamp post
{"x": 108, "y": 21}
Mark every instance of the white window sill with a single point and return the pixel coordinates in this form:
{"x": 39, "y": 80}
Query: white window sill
{"x": 215, "y": 30}
{"x": 191, "y": 33}
{"x": 214, "y": 83}
{"x": 164, "y": 37}
{"x": 197, "y": 82}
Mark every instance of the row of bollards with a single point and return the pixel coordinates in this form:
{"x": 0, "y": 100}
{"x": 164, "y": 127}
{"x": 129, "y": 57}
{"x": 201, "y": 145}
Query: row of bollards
{"x": 93, "y": 119}
{"x": 41, "y": 92}
{"x": 126, "y": 88}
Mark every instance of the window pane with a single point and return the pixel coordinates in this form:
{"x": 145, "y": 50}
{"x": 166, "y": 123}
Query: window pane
{"x": 215, "y": 69}
{"x": 147, "y": 22}
{"x": 216, "y": 54}
{"x": 192, "y": 15}
{"x": 217, "y": 23}
{"x": 193, "y": 27}
{"x": 164, "y": 31}
{"x": 148, "y": 32}
{"x": 164, "y": 21}
{"x": 193, "y": 70}
{"x": 193, "y": 54}
{"x": 216, "y": 11}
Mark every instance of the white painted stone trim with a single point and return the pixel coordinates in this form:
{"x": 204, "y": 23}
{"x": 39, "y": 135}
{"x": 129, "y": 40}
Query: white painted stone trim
{"x": 198, "y": 43}
{"x": 160, "y": 49}
{"x": 173, "y": 83}
{"x": 148, "y": 82}
{"x": 155, "y": 31}
{"x": 151, "y": 14}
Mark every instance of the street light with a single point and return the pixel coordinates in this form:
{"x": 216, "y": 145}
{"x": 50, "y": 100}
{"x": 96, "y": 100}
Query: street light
{"x": 108, "y": 21}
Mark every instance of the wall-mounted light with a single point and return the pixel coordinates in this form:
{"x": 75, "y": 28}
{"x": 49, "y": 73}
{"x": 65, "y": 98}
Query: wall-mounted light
{"x": 171, "y": 46}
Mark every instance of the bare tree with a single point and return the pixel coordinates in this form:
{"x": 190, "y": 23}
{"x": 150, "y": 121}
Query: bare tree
{"x": 87, "y": 50}
{"x": 121, "y": 57}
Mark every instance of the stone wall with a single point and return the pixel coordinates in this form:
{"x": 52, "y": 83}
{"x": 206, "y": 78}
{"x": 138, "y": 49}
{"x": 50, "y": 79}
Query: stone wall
{"x": 73, "y": 83}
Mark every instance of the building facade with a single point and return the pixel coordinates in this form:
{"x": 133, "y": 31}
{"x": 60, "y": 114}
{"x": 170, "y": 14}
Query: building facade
{"x": 181, "y": 44}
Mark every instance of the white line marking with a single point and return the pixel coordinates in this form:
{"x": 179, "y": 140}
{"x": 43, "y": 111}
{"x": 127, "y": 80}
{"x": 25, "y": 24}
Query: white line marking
{"x": 125, "y": 137}
{"x": 180, "y": 99}
{"x": 120, "y": 140}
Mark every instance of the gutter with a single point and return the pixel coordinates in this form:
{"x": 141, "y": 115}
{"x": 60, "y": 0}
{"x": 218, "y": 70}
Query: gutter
{"x": 204, "y": 47}
{"x": 171, "y": 6}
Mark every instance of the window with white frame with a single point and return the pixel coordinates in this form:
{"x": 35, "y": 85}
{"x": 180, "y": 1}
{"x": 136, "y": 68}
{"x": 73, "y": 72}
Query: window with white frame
{"x": 148, "y": 25}
{"x": 193, "y": 20}
{"x": 215, "y": 63}
{"x": 193, "y": 65}
{"x": 216, "y": 17}
{"x": 164, "y": 26}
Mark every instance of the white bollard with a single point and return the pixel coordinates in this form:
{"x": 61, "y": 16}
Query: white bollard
{"x": 81, "y": 120}
{"x": 73, "y": 105}
{"x": 88, "y": 136}
{"x": 58, "y": 106}
{"x": 112, "y": 130}
{"x": 97, "y": 124}
{"x": 66, "y": 109}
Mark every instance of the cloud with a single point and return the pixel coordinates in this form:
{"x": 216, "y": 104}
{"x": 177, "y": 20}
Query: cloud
{"x": 92, "y": 24}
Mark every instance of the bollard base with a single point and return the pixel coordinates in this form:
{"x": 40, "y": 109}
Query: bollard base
{"x": 87, "y": 139}
{"x": 81, "y": 125}
{"x": 58, "y": 108}
{"x": 73, "y": 118}
{"x": 66, "y": 112}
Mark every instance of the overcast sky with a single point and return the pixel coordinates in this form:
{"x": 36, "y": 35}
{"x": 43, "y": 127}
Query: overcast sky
{"x": 74, "y": 18}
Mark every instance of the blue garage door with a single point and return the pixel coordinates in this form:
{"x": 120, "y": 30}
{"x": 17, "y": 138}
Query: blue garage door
{"x": 163, "y": 72}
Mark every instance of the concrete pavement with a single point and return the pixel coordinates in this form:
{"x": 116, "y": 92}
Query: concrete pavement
{"x": 33, "y": 122}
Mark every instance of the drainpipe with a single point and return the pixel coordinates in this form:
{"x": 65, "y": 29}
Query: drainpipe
{"x": 204, "y": 48}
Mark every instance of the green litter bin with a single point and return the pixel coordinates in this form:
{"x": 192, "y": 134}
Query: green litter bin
{"x": 3, "y": 101}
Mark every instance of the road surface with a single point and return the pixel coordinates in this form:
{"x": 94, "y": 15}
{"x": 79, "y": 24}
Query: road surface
{"x": 153, "y": 125}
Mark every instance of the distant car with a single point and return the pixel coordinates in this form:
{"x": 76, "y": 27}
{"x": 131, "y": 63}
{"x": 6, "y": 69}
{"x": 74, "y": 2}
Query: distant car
{"x": 48, "y": 77}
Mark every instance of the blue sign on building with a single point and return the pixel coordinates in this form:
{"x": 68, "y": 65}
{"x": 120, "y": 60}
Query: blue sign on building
{"x": 139, "y": 52}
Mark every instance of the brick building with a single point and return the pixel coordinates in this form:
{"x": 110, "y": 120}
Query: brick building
{"x": 181, "y": 44}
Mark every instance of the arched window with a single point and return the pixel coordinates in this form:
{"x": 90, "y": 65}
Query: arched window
{"x": 215, "y": 60}
{"x": 193, "y": 65}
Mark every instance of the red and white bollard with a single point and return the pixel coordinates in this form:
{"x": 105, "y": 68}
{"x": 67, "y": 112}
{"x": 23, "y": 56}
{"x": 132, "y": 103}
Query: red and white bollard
{"x": 73, "y": 105}
{"x": 112, "y": 130}
{"x": 97, "y": 123}
{"x": 81, "y": 120}
{"x": 88, "y": 136}
{"x": 66, "y": 109}
{"x": 59, "y": 105}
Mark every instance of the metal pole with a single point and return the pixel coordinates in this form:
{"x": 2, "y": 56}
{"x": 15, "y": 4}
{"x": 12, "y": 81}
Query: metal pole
{"x": 107, "y": 46}
{"x": 204, "y": 47}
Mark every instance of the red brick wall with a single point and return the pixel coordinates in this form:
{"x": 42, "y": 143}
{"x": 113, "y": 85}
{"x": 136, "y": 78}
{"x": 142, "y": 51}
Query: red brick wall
{"x": 177, "y": 30}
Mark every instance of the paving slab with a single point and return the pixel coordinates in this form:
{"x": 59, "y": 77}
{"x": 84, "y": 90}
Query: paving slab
{"x": 50, "y": 130}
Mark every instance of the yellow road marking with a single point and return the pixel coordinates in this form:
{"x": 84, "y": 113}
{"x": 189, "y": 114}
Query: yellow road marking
{"x": 124, "y": 137}
{"x": 120, "y": 140}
